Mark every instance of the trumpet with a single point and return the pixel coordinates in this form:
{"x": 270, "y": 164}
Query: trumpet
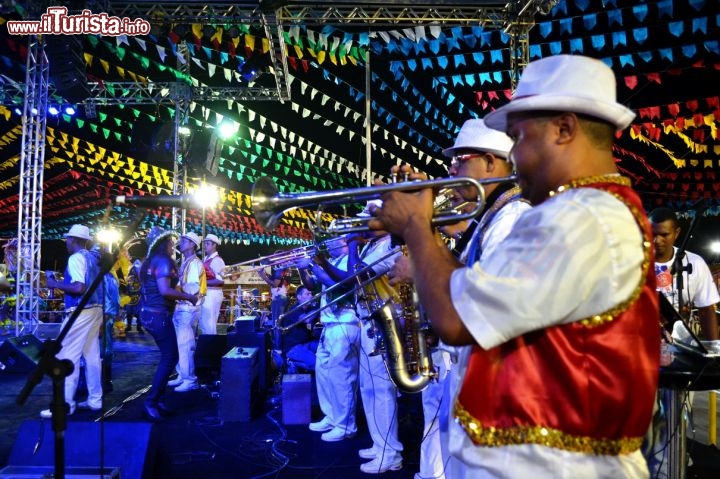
{"x": 269, "y": 205}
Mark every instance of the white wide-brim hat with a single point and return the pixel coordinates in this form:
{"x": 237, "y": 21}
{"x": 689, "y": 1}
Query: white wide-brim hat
{"x": 79, "y": 231}
{"x": 476, "y": 135}
{"x": 571, "y": 83}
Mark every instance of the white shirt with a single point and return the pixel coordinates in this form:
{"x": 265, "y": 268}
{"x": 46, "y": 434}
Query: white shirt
{"x": 698, "y": 287}
{"x": 575, "y": 255}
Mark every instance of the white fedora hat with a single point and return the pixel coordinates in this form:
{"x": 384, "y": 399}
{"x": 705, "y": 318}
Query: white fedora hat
{"x": 79, "y": 231}
{"x": 192, "y": 237}
{"x": 213, "y": 238}
{"x": 475, "y": 135}
{"x": 571, "y": 83}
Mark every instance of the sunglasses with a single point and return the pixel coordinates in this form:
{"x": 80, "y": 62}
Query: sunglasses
{"x": 457, "y": 159}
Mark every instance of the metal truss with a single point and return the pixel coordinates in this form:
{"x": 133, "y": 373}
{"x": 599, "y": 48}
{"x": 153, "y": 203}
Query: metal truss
{"x": 516, "y": 17}
{"x": 32, "y": 158}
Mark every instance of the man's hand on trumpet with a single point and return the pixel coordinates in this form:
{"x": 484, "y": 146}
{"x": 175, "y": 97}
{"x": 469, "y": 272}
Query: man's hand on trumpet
{"x": 401, "y": 213}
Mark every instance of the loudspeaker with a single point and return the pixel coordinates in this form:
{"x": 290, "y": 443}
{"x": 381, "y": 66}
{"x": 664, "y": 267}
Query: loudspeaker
{"x": 260, "y": 340}
{"x": 239, "y": 398}
{"x": 296, "y": 390}
{"x": 20, "y": 354}
{"x": 129, "y": 446}
{"x": 48, "y": 330}
{"x": 209, "y": 350}
{"x": 67, "y": 66}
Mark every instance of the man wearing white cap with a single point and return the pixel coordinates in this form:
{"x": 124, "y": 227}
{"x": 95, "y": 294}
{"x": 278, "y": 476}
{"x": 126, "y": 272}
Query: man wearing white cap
{"x": 214, "y": 266}
{"x": 562, "y": 317}
{"x": 185, "y": 318}
{"x": 480, "y": 153}
{"x": 82, "y": 339}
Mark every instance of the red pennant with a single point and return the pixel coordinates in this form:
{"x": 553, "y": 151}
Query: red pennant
{"x": 631, "y": 82}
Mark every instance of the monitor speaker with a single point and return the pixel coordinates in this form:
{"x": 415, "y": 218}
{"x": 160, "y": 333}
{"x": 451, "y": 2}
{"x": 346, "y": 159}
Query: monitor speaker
{"x": 20, "y": 354}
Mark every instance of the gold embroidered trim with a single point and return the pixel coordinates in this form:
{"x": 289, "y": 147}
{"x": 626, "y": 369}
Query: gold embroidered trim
{"x": 611, "y": 314}
{"x": 588, "y": 180}
{"x": 544, "y": 436}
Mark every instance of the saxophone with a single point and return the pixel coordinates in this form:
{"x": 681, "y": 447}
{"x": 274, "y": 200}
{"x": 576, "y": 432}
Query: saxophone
{"x": 404, "y": 349}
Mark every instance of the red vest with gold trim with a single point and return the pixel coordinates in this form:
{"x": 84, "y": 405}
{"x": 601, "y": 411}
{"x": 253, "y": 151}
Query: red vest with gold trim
{"x": 587, "y": 386}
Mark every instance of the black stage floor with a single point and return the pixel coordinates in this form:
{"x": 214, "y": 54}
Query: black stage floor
{"x": 195, "y": 442}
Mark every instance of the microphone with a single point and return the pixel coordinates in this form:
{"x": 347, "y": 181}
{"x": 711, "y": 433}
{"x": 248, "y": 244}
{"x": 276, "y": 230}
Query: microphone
{"x": 180, "y": 201}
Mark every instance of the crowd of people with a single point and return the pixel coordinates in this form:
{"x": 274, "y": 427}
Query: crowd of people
{"x": 544, "y": 307}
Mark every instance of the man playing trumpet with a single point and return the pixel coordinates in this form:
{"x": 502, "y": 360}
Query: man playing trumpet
{"x": 562, "y": 320}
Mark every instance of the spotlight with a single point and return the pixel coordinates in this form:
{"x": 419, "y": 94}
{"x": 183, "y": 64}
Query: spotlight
{"x": 53, "y": 110}
{"x": 226, "y": 129}
{"x": 184, "y": 131}
{"x": 18, "y": 111}
{"x": 70, "y": 110}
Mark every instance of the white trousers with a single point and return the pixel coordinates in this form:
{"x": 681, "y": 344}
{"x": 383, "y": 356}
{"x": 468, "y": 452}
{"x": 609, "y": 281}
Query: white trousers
{"x": 433, "y": 455}
{"x": 83, "y": 341}
{"x": 185, "y": 321}
{"x": 336, "y": 374}
{"x": 210, "y": 311}
{"x": 379, "y": 397}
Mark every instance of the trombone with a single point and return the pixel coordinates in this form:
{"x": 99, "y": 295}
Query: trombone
{"x": 298, "y": 257}
{"x": 360, "y": 278}
{"x": 269, "y": 205}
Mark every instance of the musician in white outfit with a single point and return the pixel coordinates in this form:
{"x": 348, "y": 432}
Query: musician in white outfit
{"x": 214, "y": 267}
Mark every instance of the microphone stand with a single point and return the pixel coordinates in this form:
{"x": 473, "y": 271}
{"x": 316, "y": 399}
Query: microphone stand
{"x": 678, "y": 267}
{"x": 59, "y": 369}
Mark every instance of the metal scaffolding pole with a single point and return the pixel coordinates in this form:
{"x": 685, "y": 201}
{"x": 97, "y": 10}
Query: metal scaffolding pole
{"x": 32, "y": 158}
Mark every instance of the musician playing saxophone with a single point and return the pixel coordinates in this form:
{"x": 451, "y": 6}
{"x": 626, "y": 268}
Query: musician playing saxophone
{"x": 378, "y": 392}
{"x": 479, "y": 152}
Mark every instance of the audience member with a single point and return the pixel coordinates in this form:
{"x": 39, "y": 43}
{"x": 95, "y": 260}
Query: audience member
{"x": 214, "y": 267}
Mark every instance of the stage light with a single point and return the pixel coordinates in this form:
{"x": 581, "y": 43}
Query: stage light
{"x": 715, "y": 247}
{"x": 18, "y": 111}
{"x": 206, "y": 196}
{"x": 184, "y": 131}
{"x": 108, "y": 237}
{"x": 70, "y": 110}
{"x": 226, "y": 129}
{"x": 34, "y": 111}
{"x": 53, "y": 110}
